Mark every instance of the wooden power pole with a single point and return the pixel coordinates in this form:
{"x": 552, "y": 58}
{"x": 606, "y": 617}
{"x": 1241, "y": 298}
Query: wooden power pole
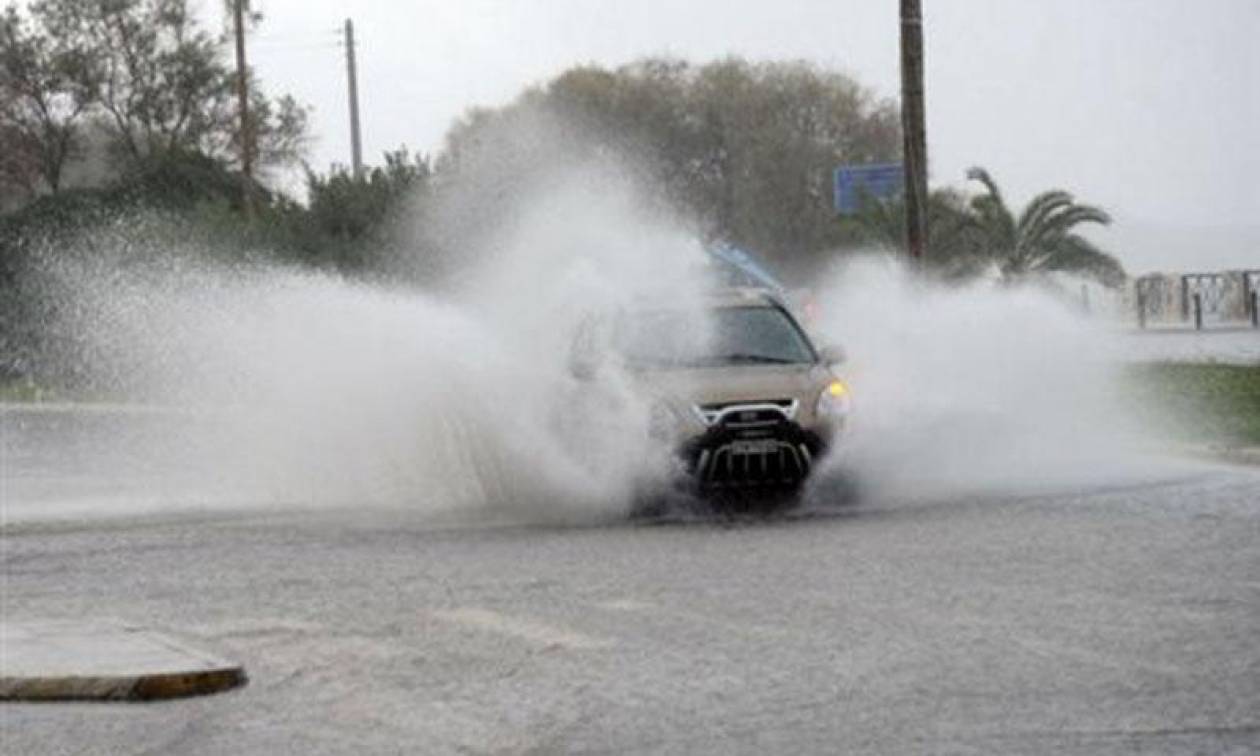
{"x": 356, "y": 143}
{"x": 242, "y": 97}
{"x": 913, "y": 129}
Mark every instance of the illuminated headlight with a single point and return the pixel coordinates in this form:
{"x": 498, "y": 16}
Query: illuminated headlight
{"x": 834, "y": 401}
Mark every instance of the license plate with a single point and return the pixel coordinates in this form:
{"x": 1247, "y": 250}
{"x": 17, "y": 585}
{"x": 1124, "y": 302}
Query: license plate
{"x": 759, "y": 446}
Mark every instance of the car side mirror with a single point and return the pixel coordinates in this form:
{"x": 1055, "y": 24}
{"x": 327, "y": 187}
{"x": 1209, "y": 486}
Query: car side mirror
{"x": 832, "y": 354}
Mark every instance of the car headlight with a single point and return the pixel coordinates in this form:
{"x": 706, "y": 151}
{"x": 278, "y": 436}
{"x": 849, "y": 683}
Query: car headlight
{"x": 834, "y": 401}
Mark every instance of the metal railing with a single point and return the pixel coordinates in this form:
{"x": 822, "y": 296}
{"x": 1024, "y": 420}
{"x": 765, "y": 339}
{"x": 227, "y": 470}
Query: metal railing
{"x": 1204, "y": 299}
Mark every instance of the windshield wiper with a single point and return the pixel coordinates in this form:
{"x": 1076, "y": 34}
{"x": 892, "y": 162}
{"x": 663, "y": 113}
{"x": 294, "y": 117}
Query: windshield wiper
{"x": 758, "y": 358}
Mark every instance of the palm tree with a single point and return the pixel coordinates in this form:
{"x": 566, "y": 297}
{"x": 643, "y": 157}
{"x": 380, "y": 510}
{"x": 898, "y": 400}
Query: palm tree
{"x": 956, "y": 246}
{"x": 1043, "y": 238}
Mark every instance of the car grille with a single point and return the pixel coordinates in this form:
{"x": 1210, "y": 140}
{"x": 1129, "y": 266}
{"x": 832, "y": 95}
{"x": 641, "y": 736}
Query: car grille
{"x": 750, "y": 444}
{"x": 735, "y": 414}
{"x": 777, "y": 463}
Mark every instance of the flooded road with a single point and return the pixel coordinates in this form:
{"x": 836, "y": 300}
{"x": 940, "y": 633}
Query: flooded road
{"x": 1088, "y": 620}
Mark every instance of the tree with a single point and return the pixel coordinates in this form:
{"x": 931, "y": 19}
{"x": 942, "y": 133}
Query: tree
{"x": 781, "y": 131}
{"x": 19, "y": 167}
{"x": 745, "y": 150}
{"x": 276, "y": 131}
{"x": 1043, "y": 239}
{"x": 971, "y": 234}
{"x": 160, "y": 83}
{"x": 46, "y": 86}
{"x": 958, "y": 248}
{"x": 346, "y": 206}
{"x": 351, "y": 221}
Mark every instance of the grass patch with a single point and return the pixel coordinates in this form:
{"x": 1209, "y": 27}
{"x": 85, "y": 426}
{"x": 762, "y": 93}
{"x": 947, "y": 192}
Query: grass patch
{"x": 1203, "y": 403}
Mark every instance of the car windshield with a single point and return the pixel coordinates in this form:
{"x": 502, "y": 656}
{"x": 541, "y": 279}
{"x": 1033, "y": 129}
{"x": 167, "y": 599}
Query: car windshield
{"x": 718, "y": 337}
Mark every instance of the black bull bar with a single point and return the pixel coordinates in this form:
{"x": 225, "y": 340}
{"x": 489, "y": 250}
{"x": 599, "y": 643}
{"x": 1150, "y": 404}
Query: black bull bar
{"x": 730, "y": 455}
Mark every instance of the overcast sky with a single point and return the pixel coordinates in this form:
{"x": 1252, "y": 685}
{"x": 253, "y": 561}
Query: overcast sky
{"x": 1147, "y": 107}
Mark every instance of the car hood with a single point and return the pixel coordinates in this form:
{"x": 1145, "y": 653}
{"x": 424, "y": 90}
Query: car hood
{"x": 737, "y": 383}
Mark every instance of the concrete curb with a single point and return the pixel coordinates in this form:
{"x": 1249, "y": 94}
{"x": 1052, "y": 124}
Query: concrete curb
{"x": 105, "y": 661}
{"x": 121, "y": 688}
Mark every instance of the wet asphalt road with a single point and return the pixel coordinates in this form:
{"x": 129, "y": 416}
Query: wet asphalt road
{"x": 1109, "y": 619}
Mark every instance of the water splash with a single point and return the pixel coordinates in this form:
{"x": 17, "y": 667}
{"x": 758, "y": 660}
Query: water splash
{"x": 292, "y": 388}
{"x": 980, "y": 389}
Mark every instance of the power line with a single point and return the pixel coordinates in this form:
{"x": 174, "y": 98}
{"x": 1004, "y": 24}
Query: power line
{"x": 282, "y": 40}
{"x": 286, "y": 49}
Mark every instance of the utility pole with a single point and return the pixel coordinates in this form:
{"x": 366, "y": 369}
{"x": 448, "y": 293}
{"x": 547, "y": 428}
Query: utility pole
{"x": 356, "y": 144}
{"x": 242, "y": 97}
{"x": 913, "y": 130}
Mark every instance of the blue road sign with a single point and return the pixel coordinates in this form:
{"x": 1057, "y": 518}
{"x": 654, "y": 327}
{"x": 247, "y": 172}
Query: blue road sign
{"x": 879, "y": 180}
